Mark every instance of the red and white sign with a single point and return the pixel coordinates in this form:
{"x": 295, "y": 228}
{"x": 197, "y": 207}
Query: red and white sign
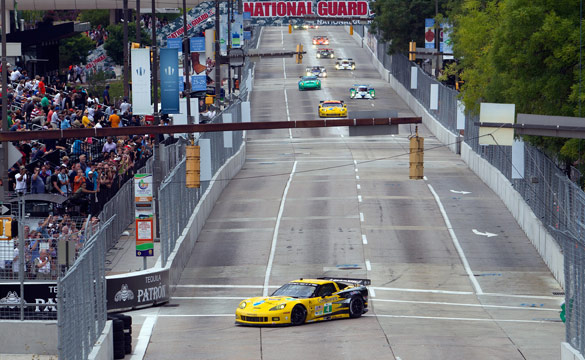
{"x": 306, "y": 8}
{"x": 198, "y": 20}
{"x": 96, "y": 61}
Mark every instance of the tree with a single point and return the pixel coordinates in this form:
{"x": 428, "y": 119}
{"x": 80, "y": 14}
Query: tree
{"x": 401, "y": 21}
{"x": 114, "y": 44}
{"x": 95, "y": 17}
{"x": 74, "y": 50}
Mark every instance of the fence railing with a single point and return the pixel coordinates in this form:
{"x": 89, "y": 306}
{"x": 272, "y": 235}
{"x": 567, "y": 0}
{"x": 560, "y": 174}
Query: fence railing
{"x": 556, "y": 200}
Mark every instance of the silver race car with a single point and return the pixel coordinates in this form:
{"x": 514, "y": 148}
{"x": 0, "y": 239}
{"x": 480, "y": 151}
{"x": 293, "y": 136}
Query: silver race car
{"x": 362, "y": 92}
{"x": 345, "y": 64}
{"x": 318, "y": 71}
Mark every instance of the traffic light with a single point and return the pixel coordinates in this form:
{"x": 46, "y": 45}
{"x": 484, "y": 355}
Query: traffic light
{"x": 135, "y": 45}
{"x": 416, "y": 157}
{"x": 350, "y": 29}
{"x": 193, "y": 164}
{"x": 299, "y": 55}
{"x": 6, "y": 228}
{"x": 412, "y": 51}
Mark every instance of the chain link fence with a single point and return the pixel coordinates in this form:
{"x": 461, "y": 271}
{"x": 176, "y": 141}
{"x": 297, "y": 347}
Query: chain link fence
{"x": 557, "y": 201}
{"x": 82, "y": 310}
{"x": 173, "y": 218}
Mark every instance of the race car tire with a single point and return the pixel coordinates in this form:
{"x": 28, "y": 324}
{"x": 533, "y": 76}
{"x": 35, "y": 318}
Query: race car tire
{"x": 356, "y": 307}
{"x": 298, "y": 315}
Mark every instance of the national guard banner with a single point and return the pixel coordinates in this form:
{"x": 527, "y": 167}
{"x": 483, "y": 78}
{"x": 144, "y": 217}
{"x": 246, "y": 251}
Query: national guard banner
{"x": 169, "y": 80}
{"x": 141, "y": 86}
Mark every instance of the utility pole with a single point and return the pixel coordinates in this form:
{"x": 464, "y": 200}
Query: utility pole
{"x": 217, "y": 56}
{"x": 230, "y": 15}
{"x": 186, "y": 65}
{"x": 126, "y": 87}
{"x": 138, "y": 28}
{"x": 157, "y": 163}
{"x": 437, "y": 35}
{"x": 4, "y": 157}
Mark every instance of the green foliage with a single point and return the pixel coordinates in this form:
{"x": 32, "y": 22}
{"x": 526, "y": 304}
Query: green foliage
{"x": 402, "y": 21}
{"x": 95, "y": 17}
{"x": 96, "y": 83}
{"x": 74, "y": 50}
{"x": 114, "y": 44}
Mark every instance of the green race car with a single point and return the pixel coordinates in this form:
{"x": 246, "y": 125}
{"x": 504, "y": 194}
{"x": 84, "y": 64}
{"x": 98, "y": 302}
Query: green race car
{"x": 309, "y": 83}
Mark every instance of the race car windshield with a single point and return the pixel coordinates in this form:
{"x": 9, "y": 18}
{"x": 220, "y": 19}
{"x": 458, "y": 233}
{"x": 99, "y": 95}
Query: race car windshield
{"x": 362, "y": 88}
{"x": 297, "y": 290}
{"x": 332, "y": 104}
{"x": 309, "y": 78}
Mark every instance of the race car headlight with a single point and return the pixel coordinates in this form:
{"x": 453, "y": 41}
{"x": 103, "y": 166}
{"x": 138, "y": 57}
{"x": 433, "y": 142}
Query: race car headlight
{"x": 318, "y": 55}
{"x": 278, "y": 307}
{"x": 243, "y": 305}
{"x": 302, "y": 83}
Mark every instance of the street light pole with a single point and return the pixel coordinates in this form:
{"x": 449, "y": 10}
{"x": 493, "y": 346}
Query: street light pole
{"x": 217, "y": 56}
{"x": 186, "y": 66}
{"x": 138, "y": 29}
{"x": 126, "y": 65}
{"x": 157, "y": 161}
{"x": 4, "y": 163}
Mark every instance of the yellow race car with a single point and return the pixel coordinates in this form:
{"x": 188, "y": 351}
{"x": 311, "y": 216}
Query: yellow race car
{"x": 332, "y": 108}
{"x": 307, "y": 300}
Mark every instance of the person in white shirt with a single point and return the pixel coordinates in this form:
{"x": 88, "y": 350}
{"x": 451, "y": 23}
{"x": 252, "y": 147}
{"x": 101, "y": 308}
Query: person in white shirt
{"x": 125, "y": 106}
{"x": 15, "y": 75}
{"x": 21, "y": 179}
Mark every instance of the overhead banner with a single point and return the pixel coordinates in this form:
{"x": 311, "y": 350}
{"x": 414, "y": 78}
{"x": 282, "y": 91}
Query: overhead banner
{"x": 141, "y": 86}
{"x": 169, "y": 80}
{"x": 307, "y": 8}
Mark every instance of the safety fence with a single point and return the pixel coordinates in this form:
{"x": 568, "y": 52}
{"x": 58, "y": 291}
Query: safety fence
{"x": 173, "y": 219}
{"x": 547, "y": 188}
{"x": 82, "y": 299}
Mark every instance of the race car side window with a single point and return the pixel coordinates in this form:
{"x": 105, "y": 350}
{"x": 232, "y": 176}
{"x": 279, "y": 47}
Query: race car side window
{"x": 326, "y": 290}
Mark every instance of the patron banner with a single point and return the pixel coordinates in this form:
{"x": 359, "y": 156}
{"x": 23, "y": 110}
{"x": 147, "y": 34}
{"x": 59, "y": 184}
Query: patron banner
{"x": 141, "y": 86}
{"x": 169, "y": 80}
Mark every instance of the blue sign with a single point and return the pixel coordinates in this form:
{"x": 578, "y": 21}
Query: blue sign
{"x": 198, "y": 82}
{"x": 169, "y": 80}
{"x": 247, "y": 15}
{"x": 247, "y": 35}
{"x": 175, "y": 43}
{"x": 197, "y": 44}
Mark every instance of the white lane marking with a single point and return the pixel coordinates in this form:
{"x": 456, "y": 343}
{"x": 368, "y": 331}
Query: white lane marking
{"x": 282, "y": 38}
{"x": 209, "y": 297}
{"x": 460, "y": 192}
{"x": 359, "y": 186}
{"x": 364, "y": 239}
{"x": 425, "y": 178}
{"x": 463, "y": 319}
{"x": 284, "y": 68}
{"x": 144, "y": 337}
{"x": 560, "y": 298}
{"x": 199, "y": 315}
{"x": 225, "y": 286}
{"x": 372, "y": 292}
{"x": 426, "y": 291}
{"x": 469, "y": 305}
{"x": 362, "y": 217}
{"x": 368, "y": 265}
{"x": 359, "y": 198}
{"x": 472, "y": 278}
{"x": 287, "y": 112}
{"x": 357, "y": 177}
{"x": 259, "y": 37}
{"x": 488, "y": 234}
{"x": 355, "y": 162}
{"x": 276, "y": 228}
{"x": 356, "y": 169}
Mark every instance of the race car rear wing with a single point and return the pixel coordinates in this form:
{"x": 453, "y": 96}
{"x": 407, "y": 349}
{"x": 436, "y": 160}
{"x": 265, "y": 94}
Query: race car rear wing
{"x": 363, "y": 282}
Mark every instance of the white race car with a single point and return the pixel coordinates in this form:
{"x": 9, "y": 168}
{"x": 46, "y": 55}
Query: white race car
{"x": 362, "y": 92}
{"x": 318, "y": 71}
{"x": 345, "y": 64}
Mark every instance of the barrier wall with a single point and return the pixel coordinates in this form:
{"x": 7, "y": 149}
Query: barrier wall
{"x": 28, "y": 337}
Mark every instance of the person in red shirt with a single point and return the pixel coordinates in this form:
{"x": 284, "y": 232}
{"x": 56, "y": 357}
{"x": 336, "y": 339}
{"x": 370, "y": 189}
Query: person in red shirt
{"x": 42, "y": 87}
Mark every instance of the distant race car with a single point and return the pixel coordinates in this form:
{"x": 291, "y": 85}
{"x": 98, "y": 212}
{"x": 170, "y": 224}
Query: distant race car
{"x": 307, "y": 300}
{"x": 320, "y": 40}
{"x": 318, "y": 71}
{"x": 300, "y": 27}
{"x": 362, "y": 92}
{"x": 313, "y": 26}
{"x": 332, "y": 108}
{"x": 345, "y": 64}
{"x": 325, "y": 54}
{"x": 309, "y": 83}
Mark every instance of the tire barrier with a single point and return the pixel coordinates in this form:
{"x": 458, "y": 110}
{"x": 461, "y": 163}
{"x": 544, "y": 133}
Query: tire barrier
{"x": 122, "y": 331}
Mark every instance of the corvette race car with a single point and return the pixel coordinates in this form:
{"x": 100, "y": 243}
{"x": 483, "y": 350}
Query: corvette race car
{"x": 332, "y": 108}
{"x": 325, "y": 53}
{"x": 307, "y": 300}
{"x": 309, "y": 82}
{"x": 345, "y": 64}
{"x": 320, "y": 40}
{"x": 362, "y": 92}
{"x": 318, "y": 71}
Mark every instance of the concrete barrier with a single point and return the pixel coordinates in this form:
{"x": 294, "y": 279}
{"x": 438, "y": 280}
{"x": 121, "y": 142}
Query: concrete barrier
{"x": 544, "y": 243}
{"x": 569, "y": 353}
{"x": 29, "y": 337}
{"x": 104, "y": 347}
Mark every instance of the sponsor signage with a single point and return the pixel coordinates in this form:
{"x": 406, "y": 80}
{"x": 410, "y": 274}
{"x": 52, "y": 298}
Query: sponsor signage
{"x": 259, "y": 9}
{"x": 199, "y": 82}
{"x": 169, "y": 80}
{"x": 197, "y": 44}
{"x": 44, "y": 295}
{"x": 137, "y": 290}
{"x": 140, "y": 59}
{"x": 144, "y": 214}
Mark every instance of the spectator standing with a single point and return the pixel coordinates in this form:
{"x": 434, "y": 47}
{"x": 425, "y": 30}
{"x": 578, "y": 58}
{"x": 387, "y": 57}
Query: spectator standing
{"x": 45, "y": 174}
{"x": 107, "y": 96}
{"x": 125, "y": 106}
{"x": 37, "y": 184}
{"x": 43, "y": 265}
{"x": 64, "y": 181}
{"x": 109, "y": 146}
{"x": 21, "y": 179}
{"x": 78, "y": 180}
{"x": 114, "y": 119}
{"x": 45, "y": 104}
{"x": 55, "y": 188}
{"x": 41, "y": 85}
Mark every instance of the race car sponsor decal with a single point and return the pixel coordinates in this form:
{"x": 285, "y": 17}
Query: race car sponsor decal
{"x": 318, "y": 310}
{"x": 328, "y": 308}
{"x": 259, "y": 302}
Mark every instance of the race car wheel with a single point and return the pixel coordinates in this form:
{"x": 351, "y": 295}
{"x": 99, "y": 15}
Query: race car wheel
{"x": 356, "y": 307}
{"x": 298, "y": 315}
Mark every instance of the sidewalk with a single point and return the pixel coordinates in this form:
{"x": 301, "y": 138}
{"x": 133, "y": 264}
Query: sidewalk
{"x": 122, "y": 259}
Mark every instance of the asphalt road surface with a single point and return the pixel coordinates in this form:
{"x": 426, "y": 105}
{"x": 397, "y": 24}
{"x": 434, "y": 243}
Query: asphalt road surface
{"x": 453, "y": 275}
